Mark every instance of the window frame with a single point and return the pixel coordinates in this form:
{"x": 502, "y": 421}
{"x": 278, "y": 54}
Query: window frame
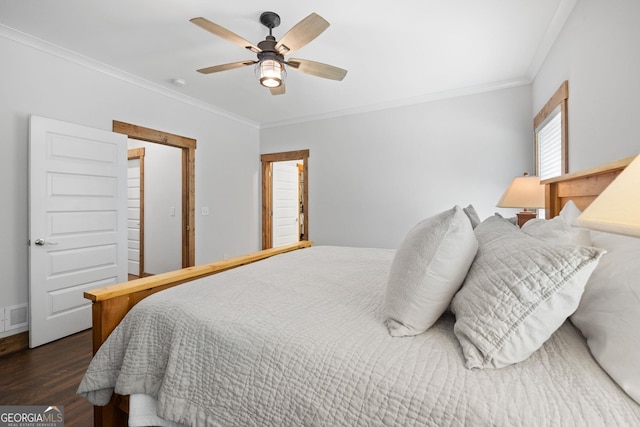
{"x": 558, "y": 101}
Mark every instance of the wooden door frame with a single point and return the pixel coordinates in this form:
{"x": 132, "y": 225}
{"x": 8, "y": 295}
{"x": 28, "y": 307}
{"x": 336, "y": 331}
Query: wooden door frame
{"x": 138, "y": 153}
{"x": 188, "y": 148}
{"x": 267, "y": 191}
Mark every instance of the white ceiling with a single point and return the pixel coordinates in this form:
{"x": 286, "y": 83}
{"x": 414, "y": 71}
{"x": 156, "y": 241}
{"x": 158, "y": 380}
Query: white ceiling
{"x": 396, "y": 53}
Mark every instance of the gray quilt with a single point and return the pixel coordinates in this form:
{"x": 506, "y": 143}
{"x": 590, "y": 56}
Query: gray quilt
{"x": 299, "y": 340}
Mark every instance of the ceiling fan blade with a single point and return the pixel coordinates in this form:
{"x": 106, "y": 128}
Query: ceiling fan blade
{"x": 219, "y": 31}
{"x": 302, "y": 33}
{"x": 280, "y": 90}
{"x": 225, "y": 67}
{"x": 317, "y": 69}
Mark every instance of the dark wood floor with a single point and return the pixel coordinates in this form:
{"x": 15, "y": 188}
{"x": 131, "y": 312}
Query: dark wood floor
{"x": 49, "y": 375}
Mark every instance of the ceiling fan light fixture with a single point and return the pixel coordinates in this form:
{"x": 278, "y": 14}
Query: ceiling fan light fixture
{"x": 270, "y": 67}
{"x": 271, "y": 73}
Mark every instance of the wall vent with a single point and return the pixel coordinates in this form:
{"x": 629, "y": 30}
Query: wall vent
{"x": 15, "y": 317}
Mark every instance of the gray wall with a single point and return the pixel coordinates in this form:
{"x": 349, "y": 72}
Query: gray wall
{"x": 162, "y": 192}
{"x": 372, "y": 176}
{"x": 36, "y": 81}
{"x": 598, "y": 51}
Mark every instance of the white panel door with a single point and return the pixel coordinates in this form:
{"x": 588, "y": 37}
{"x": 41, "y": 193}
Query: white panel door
{"x": 77, "y": 223}
{"x": 286, "y": 203}
{"x": 133, "y": 217}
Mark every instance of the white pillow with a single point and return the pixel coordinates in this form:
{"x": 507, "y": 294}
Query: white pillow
{"x": 609, "y": 313}
{"x": 560, "y": 229}
{"x": 427, "y": 270}
{"x": 519, "y": 290}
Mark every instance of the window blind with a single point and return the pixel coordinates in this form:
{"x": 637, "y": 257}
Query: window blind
{"x": 550, "y": 147}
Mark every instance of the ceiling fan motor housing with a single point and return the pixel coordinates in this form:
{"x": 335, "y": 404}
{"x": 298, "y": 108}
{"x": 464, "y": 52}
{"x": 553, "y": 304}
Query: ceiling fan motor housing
{"x": 268, "y": 48}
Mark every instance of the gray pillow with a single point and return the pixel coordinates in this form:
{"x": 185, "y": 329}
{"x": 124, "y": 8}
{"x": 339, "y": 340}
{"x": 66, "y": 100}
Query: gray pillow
{"x": 513, "y": 220}
{"x": 427, "y": 270}
{"x": 473, "y": 216}
{"x": 519, "y": 290}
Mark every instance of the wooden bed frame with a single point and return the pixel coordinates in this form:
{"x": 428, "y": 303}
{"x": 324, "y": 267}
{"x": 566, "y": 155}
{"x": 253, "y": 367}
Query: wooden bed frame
{"x": 111, "y": 303}
{"x": 582, "y": 187}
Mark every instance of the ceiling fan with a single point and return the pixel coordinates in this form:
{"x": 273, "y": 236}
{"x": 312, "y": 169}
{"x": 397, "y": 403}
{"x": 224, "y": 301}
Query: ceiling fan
{"x": 270, "y": 67}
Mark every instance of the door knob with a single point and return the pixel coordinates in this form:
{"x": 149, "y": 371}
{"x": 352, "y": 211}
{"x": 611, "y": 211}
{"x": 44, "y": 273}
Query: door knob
{"x": 41, "y": 242}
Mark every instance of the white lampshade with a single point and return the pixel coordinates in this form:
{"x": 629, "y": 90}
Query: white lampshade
{"x": 617, "y": 208}
{"x": 524, "y": 192}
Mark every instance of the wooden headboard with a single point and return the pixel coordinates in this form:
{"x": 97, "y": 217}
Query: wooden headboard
{"x": 581, "y": 187}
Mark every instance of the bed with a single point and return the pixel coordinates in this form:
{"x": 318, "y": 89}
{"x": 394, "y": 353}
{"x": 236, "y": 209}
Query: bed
{"x": 307, "y": 335}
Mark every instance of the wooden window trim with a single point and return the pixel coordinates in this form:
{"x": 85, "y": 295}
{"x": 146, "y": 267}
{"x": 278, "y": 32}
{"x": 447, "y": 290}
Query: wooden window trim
{"x": 558, "y": 100}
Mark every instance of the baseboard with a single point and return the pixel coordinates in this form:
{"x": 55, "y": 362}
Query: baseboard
{"x": 14, "y": 343}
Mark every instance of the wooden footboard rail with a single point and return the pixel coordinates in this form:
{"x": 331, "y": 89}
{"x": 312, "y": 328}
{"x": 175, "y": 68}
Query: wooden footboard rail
{"x": 111, "y": 304}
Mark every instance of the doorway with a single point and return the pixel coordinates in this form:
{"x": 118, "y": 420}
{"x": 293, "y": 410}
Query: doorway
{"x": 187, "y": 147}
{"x": 300, "y": 157}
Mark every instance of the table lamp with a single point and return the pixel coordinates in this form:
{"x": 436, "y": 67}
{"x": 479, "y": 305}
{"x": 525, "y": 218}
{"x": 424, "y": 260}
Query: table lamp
{"x": 524, "y": 192}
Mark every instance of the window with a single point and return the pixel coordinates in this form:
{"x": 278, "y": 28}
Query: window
{"x": 551, "y": 135}
{"x": 549, "y": 147}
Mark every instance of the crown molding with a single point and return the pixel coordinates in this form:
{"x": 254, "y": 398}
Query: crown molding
{"x": 556, "y": 25}
{"x": 558, "y": 21}
{"x": 84, "y": 61}
{"x": 404, "y": 102}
